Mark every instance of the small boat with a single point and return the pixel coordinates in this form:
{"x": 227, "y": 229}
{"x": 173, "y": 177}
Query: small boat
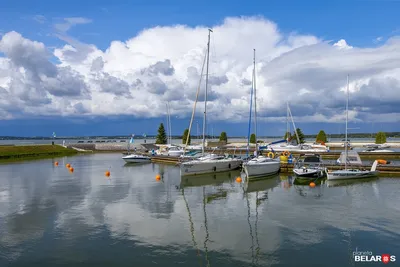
{"x": 353, "y": 173}
{"x": 135, "y": 158}
{"x": 309, "y": 166}
{"x": 351, "y": 158}
{"x": 172, "y": 151}
{"x": 211, "y": 163}
{"x": 377, "y": 148}
{"x": 260, "y": 165}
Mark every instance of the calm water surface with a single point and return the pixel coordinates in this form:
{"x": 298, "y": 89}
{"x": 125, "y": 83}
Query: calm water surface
{"x": 51, "y": 217}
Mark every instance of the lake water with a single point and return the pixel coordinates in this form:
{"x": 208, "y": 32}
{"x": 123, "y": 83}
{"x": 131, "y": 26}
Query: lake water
{"x": 51, "y": 217}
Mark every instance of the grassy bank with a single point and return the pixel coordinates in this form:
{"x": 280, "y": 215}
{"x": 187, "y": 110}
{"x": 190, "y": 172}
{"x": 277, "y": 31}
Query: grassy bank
{"x": 16, "y": 153}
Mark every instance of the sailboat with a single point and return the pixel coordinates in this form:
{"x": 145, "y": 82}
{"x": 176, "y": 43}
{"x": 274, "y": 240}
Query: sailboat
{"x": 286, "y": 145}
{"x": 351, "y": 173}
{"x": 210, "y": 163}
{"x": 170, "y": 149}
{"x": 260, "y": 165}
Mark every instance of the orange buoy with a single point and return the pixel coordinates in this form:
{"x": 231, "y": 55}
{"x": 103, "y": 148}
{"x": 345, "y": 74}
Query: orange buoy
{"x": 56, "y": 163}
{"x": 107, "y": 173}
{"x": 239, "y": 179}
{"x": 312, "y": 184}
{"x": 158, "y": 177}
{"x": 68, "y": 165}
{"x": 71, "y": 169}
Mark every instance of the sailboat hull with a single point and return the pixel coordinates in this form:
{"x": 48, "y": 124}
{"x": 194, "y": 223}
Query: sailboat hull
{"x": 351, "y": 174}
{"x": 196, "y": 167}
{"x": 259, "y": 169}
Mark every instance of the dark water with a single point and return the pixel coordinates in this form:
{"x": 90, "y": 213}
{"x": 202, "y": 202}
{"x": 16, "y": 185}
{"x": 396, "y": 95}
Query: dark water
{"x": 51, "y": 217}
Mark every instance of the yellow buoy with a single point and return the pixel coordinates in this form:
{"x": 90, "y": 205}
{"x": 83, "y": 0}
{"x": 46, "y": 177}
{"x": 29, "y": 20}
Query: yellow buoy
{"x": 158, "y": 177}
{"x": 107, "y": 173}
{"x": 68, "y": 165}
{"x": 312, "y": 184}
{"x": 71, "y": 169}
{"x": 56, "y": 163}
{"x": 239, "y": 179}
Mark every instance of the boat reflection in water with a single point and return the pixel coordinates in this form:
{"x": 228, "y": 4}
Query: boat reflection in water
{"x": 261, "y": 186}
{"x": 336, "y": 183}
{"x": 303, "y": 188}
{"x": 307, "y": 181}
{"x": 203, "y": 181}
{"x": 209, "y": 179}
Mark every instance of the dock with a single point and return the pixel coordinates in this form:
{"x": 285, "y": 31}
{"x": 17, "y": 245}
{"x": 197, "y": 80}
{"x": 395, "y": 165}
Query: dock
{"x": 288, "y": 167}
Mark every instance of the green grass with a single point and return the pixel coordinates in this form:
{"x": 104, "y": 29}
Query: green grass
{"x": 17, "y": 153}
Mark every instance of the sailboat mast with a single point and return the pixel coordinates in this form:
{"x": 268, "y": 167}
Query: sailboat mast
{"x": 170, "y": 126}
{"x": 255, "y": 97}
{"x": 287, "y": 122}
{"x": 347, "y": 118}
{"x": 166, "y": 104}
{"x": 205, "y": 94}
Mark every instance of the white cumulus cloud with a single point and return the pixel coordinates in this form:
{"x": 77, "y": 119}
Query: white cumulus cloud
{"x": 138, "y": 76}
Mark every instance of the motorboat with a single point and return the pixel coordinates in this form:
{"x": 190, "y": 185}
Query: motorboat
{"x": 171, "y": 150}
{"x": 309, "y": 166}
{"x": 377, "y": 148}
{"x": 135, "y": 158}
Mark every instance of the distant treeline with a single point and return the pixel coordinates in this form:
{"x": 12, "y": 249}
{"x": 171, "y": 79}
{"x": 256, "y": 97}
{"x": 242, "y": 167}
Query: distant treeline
{"x": 350, "y": 135}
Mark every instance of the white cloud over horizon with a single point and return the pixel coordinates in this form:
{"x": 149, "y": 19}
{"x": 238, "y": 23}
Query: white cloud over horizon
{"x": 138, "y": 76}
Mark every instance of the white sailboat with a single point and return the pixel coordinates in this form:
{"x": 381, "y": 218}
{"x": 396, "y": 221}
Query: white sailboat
{"x": 210, "y": 163}
{"x": 260, "y": 165}
{"x": 351, "y": 173}
{"x": 285, "y": 145}
{"x": 170, "y": 149}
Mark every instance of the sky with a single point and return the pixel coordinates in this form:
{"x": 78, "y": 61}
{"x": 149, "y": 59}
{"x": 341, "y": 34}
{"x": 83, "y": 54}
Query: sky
{"x": 110, "y": 67}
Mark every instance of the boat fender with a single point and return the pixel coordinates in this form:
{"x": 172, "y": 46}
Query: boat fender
{"x": 215, "y": 168}
{"x": 229, "y": 166}
{"x": 383, "y": 162}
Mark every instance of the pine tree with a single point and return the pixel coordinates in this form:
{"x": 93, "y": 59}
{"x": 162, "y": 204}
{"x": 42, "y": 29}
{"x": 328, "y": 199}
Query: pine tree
{"x": 287, "y": 136}
{"x": 161, "y": 136}
{"x": 321, "y": 137}
{"x": 223, "y": 137}
{"x": 253, "y": 138}
{"x": 380, "y": 138}
{"x": 184, "y": 137}
{"x": 300, "y": 135}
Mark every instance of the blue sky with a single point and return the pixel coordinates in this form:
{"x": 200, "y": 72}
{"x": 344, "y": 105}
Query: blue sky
{"x": 360, "y": 23}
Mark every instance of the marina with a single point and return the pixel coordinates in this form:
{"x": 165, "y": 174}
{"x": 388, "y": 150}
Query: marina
{"x": 148, "y": 214}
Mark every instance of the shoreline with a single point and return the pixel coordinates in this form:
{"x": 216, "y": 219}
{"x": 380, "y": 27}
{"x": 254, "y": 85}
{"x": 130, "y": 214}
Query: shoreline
{"x": 32, "y": 152}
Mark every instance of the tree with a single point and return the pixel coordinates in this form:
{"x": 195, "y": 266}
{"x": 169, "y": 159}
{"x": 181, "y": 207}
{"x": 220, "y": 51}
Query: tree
{"x": 223, "y": 137}
{"x": 253, "y": 138}
{"x": 287, "y": 136}
{"x": 380, "y": 138}
{"x": 161, "y": 136}
{"x": 300, "y": 135}
{"x": 185, "y": 136}
{"x": 321, "y": 137}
